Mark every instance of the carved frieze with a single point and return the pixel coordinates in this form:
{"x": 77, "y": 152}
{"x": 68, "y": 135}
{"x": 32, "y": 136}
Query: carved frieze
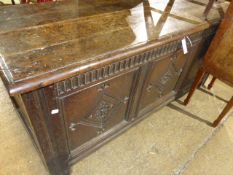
{"x": 115, "y": 68}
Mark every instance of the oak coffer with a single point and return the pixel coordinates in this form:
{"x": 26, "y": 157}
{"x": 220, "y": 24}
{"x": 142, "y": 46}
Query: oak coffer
{"x": 81, "y": 72}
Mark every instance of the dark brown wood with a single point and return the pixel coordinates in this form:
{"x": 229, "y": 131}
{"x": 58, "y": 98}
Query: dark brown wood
{"x": 161, "y": 80}
{"x": 218, "y": 60}
{"x": 193, "y": 64}
{"x": 82, "y": 72}
{"x": 106, "y": 109}
{"x": 74, "y": 53}
{"x": 48, "y": 130}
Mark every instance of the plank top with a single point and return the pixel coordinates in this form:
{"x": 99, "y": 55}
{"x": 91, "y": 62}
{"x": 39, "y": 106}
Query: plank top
{"x": 45, "y": 41}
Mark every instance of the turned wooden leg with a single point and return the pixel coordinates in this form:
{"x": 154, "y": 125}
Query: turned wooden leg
{"x": 208, "y": 8}
{"x": 195, "y": 84}
{"x": 223, "y": 113}
{"x": 211, "y": 83}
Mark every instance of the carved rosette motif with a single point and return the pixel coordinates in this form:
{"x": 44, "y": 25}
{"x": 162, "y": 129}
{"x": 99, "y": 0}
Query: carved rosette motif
{"x": 101, "y": 111}
{"x": 100, "y": 115}
{"x": 172, "y": 72}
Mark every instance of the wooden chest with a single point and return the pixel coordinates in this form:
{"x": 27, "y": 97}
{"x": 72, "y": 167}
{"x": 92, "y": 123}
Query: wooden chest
{"x": 82, "y": 72}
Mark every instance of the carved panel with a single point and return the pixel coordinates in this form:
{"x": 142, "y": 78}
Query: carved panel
{"x": 172, "y": 73}
{"x": 100, "y": 114}
{"x": 161, "y": 79}
{"x": 96, "y": 109}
